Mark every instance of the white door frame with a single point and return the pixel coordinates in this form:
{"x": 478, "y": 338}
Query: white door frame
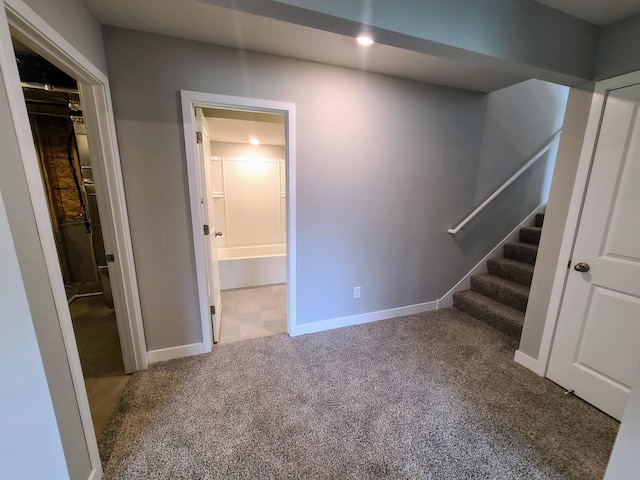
{"x": 190, "y": 100}
{"x": 28, "y": 27}
{"x": 575, "y": 209}
{"x": 203, "y": 165}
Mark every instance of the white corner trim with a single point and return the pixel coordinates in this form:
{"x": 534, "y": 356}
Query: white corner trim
{"x": 180, "y": 351}
{"x": 529, "y": 362}
{"x": 481, "y": 267}
{"x": 359, "y": 319}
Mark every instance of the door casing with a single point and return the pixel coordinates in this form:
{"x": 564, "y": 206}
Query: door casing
{"x": 28, "y": 27}
{"x": 190, "y": 100}
{"x": 206, "y": 212}
{"x": 596, "y": 112}
{"x": 600, "y": 366}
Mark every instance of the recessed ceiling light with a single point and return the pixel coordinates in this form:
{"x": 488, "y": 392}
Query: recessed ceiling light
{"x": 365, "y": 40}
{"x": 254, "y": 141}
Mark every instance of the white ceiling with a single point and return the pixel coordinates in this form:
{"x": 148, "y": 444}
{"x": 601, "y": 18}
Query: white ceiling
{"x": 598, "y": 12}
{"x": 202, "y": 21}
{"x": 241, "y": 131}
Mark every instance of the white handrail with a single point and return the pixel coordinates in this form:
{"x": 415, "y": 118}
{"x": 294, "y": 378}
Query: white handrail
{"x": 513, "y": 178}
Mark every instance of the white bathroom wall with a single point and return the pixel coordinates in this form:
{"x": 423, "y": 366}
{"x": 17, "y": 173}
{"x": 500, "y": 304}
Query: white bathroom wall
{"x": 225, "y": 149}
{"x": 219, "y": 207}
{"x": 249, "y": 194}
{"x": 252, "y": 200}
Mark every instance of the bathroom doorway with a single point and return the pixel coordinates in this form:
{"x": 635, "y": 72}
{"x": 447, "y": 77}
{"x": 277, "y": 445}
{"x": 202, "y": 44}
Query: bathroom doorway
{"x": 248, "y": 198}
{"x": 60, "y": 138}
{"x": 240, "y": 161}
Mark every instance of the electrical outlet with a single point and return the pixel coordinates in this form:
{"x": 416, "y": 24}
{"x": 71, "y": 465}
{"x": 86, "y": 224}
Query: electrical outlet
{"x": 356, "y": 292}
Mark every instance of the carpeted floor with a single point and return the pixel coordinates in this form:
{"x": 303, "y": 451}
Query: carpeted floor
{"x": 435, "y": 395}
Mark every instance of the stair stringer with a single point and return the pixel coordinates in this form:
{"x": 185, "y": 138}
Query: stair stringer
{"x": 464, "y": 283}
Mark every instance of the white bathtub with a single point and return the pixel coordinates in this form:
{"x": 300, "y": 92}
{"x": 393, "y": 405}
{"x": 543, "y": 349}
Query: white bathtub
{"x": 252, "y": 266}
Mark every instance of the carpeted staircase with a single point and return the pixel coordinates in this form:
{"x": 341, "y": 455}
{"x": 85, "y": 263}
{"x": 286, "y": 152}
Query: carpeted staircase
{"x": 500, "y": 296}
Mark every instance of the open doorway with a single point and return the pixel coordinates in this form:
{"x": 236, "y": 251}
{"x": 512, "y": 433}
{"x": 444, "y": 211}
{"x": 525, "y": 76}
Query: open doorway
{"x": 60, "y": 139}
{"x": 241, "y": 171}
{"x": 248, "y": 196}
{"x": 55, "y": 332}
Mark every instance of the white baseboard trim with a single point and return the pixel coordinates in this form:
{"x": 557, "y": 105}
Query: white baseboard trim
{"x": 176, "y": 352}
{"x": 481, "y": 267}
{"x": 340, "y": 322}
{"x": 529, "y": 362}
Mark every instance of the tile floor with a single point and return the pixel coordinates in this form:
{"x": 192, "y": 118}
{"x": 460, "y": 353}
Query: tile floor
{"x": 253, "y": 312}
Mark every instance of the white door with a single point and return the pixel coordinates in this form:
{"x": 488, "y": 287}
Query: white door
{"x": 206, "y": 214}
{"x": 596, "y": 350}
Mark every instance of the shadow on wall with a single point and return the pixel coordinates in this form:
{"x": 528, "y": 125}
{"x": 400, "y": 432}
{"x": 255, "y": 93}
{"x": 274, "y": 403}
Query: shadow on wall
{"x": 519, "y": 121}
{"x": 506, "y": 211}
{"x": 384, "y": 167}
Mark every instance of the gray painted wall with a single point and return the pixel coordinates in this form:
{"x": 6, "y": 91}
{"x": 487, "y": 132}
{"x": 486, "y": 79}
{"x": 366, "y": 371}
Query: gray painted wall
{"x": 577, "y": 115}
{"x": 618, "y": 48}
{"x": 73, "y": 20}
{"x": 384, "y": 167}
{"x": 518, "y": 122}
{"x": 30, "y": 445}
{"x": 508, "y": 139}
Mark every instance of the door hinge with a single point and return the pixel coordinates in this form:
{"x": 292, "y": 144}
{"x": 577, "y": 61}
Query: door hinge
{"x": 198, "y": 137}
{"x": 213, "y": 309}
{"x": 206, "y": 229}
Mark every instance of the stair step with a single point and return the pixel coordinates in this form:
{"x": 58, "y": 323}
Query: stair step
{"x": 500, "y": 316}
{"x": 539, "y": 219}
{"x": 504, "y": 291}
{"x": 523, "y": 252}
{"x": 530, "y": 235}
{"x": 518, "y": 272}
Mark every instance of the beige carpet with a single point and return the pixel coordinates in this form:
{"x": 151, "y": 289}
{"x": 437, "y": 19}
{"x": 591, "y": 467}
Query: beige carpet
{"x": 434, "y": 396}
